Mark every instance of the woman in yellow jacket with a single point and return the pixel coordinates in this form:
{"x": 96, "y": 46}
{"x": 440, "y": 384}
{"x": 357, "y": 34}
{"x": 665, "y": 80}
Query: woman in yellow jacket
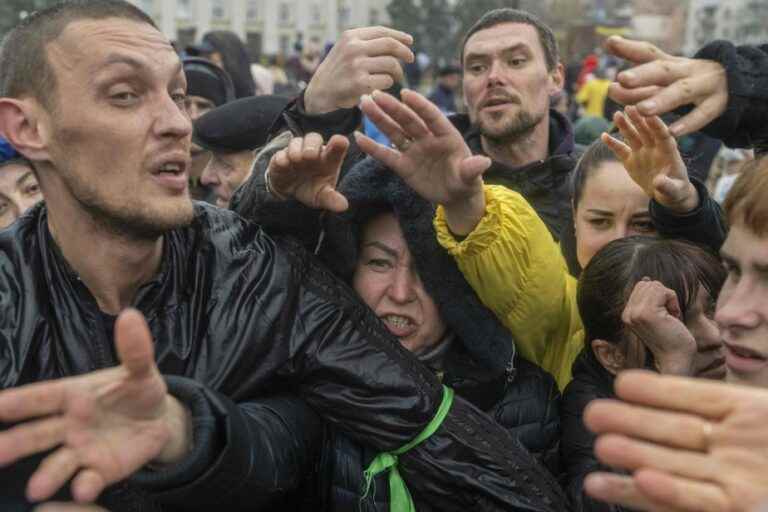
{"x": 516, "y": 269}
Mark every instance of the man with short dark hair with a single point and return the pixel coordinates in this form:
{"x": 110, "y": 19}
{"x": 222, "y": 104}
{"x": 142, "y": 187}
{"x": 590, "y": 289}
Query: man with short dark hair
{"x": 199, "y": 389}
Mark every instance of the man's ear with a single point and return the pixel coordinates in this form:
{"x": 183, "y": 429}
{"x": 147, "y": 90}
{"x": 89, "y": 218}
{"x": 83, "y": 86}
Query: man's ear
{"x": 609, "y": 355}
{"x": 21, "y": 124}
{"x": 556, "y": 79}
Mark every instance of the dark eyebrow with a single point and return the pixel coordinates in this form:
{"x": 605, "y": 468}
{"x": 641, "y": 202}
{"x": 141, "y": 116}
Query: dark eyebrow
{"x": 384, "y": 248}
{"x": 23, "y": 178}
{"x": 643, "y": 214}
{"x": 509, "y": 49}
{"x": 600, "y": 212}
{"x": 119, "y": 58}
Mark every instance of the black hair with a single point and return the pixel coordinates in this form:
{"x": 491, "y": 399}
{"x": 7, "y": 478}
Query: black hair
{"x": 508, "y": 15}
{"x": 596, "y": 154}
{"x": 608, "y": 280}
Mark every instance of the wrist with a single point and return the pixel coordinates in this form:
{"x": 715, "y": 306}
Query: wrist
{"x": 178, "y": 421}
{"x": 463, "y": 216}
{"x": 315, "y": 103}
{"x": 688, "y": 201}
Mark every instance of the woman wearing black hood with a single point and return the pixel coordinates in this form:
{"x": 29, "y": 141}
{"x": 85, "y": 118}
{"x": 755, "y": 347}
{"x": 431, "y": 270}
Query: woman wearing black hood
{"x": 386, "y": 247}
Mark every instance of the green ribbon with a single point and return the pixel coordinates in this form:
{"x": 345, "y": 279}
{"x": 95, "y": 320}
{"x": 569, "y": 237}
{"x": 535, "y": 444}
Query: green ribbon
{"x": 399, "y": 498}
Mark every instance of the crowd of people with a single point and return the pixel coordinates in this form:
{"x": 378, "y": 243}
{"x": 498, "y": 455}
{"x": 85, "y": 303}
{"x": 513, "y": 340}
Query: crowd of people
{"x": 211, "y": 297}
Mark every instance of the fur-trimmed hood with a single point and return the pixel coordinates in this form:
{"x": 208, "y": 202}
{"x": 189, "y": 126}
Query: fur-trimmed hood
{"x": 371, "y": 189}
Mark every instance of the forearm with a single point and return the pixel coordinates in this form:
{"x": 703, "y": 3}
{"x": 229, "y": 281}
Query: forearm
{"x": 244, "y": 456}
{"x": 321, "y": 118}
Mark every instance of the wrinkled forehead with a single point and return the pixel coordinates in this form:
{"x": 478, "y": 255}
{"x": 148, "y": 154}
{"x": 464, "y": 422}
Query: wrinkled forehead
{"x": 499, "y": 37}
{"x": 90, "y": 45}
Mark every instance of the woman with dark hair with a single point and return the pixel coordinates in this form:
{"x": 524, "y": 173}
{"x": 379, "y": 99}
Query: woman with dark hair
{"x": 644, "y": 303}
{"x": 225, "y": 49}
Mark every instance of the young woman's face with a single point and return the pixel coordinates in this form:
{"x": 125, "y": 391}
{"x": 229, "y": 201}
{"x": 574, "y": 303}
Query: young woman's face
{"x": 612, "y": 206}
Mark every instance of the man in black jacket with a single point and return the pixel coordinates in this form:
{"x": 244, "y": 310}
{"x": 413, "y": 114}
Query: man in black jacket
{"x": 92, "y": 93}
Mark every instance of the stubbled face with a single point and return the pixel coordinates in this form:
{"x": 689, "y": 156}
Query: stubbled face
{"x": 742, "y": 307}
{"x": 120, "y": 137}
{"x": 506, "y": 82}
{"x": 612, "y": 206}
{"x": 386, "y": 280}
{"x": 225, "y": 172}
{"x": 709, "y": 361}
{"x": 19, "y": 191}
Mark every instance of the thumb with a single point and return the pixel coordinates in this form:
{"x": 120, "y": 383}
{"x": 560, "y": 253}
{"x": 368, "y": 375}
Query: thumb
{"x": 473, "y": 167}
{"x": 134, "y": 345}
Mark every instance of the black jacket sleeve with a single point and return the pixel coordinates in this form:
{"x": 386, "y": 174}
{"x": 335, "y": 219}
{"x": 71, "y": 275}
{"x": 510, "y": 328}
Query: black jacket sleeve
{"x": 296, "y": 119}
{"x": 705, "y": 225}
{"x": 746, "y": 67}
{"x": 245, "y": 456}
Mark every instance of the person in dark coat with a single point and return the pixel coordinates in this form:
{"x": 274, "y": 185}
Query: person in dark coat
{"x": 225, "y": 49}
{"x": 228, "y": 321}
{"x": 606, "y": 288}
{"x": 386, "y": 247}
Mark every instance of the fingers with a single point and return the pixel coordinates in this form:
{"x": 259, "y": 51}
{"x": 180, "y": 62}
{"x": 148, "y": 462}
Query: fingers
{"x": 437, "y": 122}
{"x": 133, "y": 342}
{"x": 55, "y": 470}
{"x": 679, "y": 493}
{"x": 31, "y": 437}
{"x": 709, "y": 110}
{"x": 619, "y": 489}
{"x": 700, "y": 397}
{"x": 388, "y": 156}
{"x": 658, "y": 72}
{"x": 640, "y": 124}
{"x": 628, "y": 131}
{"x": 369, "y": 33}
{"x": 620, "y": 451}
{"x": 87, "y": 486}
{"x": 638, "y": 52}
{"x": 311, "y": 146}
{"x": 632, "y": 95}
{"x": 386, "y": 65}
{"x": 295, "y": 150}
{"x": 388, "y": 126}
{"x": 673, "y": 429}
{"x": 621, "y": 150}
{"x": 409, "y": 121}
{"x": 388, "y": 46}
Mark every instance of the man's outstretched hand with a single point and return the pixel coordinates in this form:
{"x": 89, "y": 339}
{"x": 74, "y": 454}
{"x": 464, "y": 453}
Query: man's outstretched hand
{"x": 102, "y": 426}
{"x": 430, "y": 155}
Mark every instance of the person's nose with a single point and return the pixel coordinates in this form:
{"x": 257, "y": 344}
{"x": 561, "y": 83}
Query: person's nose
{"x": 402, "y": 288}
{"x": 738, "y": 307}
{"x": 210, "y": 176}
{"x": 172, "y": 119}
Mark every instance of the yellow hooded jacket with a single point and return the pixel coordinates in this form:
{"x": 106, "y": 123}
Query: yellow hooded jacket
{"x": 518, "y": 271}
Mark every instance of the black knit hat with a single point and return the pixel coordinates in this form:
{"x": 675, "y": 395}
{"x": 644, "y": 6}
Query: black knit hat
{"x": 207, "y": 80}
{"x": 371, "y": 189}
{"x": 238, "y": 125}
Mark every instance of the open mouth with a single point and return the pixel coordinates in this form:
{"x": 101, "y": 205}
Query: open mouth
{"x": 714, "y": 370}
{"x": 400, "y": 326}
{"x": 744, "y": 360}
{"x": 172, "y": 175}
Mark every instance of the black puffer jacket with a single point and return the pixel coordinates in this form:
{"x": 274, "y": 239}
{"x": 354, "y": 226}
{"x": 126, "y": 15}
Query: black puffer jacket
{"x": 480, "y": 364}
{"x": 590, "y": 381}
{"x": 245, "y": 317}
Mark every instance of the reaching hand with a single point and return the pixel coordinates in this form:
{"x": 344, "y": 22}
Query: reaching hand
{"x": 652, "y": 159}
{"x": 103, "y": 425}
{"x": 431, "y": 155}
{"x": 653, "y": 314}
{"x": 659, "y": 83}
{"x": 691, "y": 444}
{"x": 362, "y": 60}
{"x": 308, "y": 171}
